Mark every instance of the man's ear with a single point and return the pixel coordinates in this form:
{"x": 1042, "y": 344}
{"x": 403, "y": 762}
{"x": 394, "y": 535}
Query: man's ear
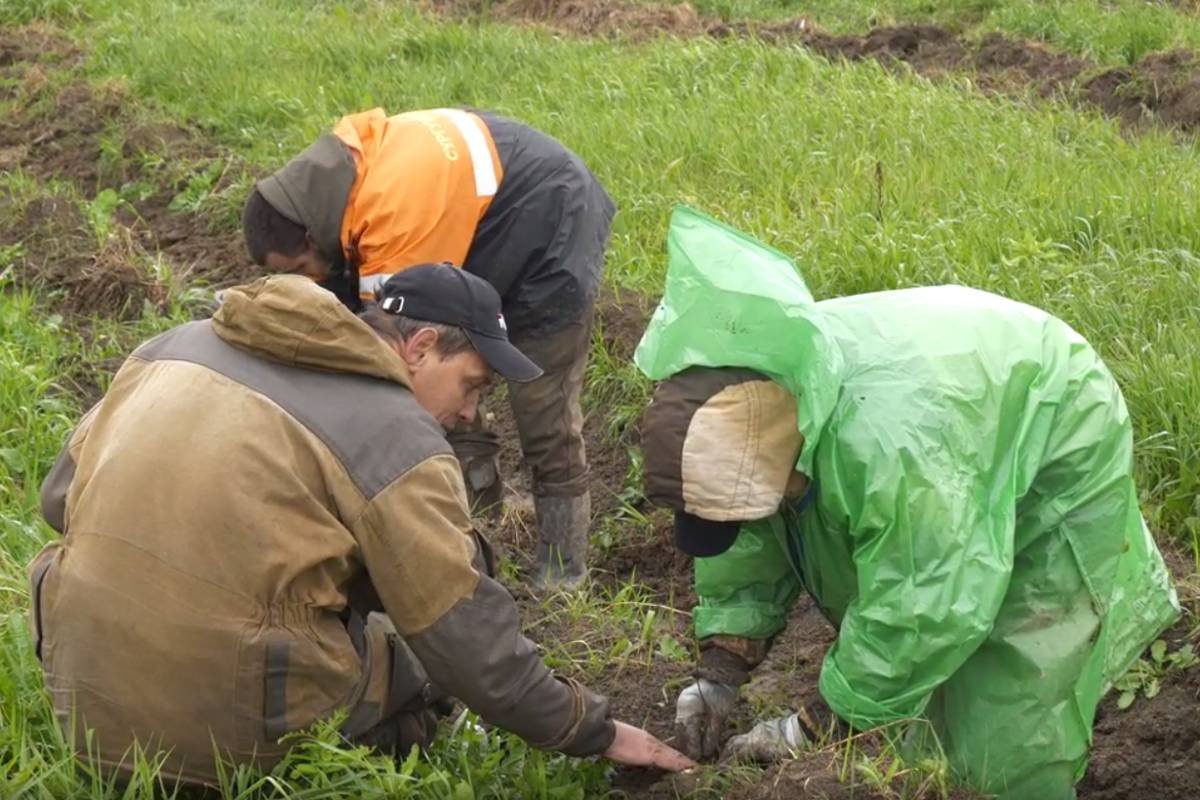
{"x": 421, "y": 344}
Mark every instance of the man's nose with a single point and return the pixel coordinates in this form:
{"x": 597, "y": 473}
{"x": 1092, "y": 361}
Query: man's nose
{"x": 468, "y": 412}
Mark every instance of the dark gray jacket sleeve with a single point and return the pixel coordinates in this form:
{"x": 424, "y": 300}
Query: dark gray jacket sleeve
{"x": 507, "y": 684}
{"x": 428, "y": 570}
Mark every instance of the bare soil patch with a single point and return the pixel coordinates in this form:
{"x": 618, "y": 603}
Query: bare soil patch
{"x": 101, "y": 277}
{"x": 92, "y": 137}
{"x": 1151, "y": 749}
{"x": 590, "y": 17}
{"x": 1161, "y": 89}
{"x": 1162, "y": 86}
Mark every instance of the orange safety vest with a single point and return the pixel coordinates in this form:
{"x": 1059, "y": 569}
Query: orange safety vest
{"x": 424, "y": 180}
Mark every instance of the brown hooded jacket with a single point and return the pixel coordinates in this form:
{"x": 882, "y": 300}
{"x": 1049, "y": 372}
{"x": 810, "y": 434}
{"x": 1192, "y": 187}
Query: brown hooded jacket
{"x": 239, "y": 479}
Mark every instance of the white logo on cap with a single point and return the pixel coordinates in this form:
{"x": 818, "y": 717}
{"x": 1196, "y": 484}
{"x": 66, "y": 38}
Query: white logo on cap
{"x": 393, "y": 305}
{"x": 503, "y": 324}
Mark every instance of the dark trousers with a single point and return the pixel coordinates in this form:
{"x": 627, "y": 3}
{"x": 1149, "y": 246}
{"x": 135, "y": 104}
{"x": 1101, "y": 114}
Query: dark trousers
{"x": 548, "y": 415}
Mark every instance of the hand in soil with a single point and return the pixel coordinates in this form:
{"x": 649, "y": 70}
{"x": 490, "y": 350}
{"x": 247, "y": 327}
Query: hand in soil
{"x": 637, "y": 748}
{"x": 768, "y": 741}
{"x": 700, "y": 716}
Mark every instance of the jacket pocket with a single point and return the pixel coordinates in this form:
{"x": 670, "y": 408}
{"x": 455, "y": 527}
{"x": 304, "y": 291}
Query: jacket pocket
{"x": 38, "y": 570}
{"x": 306, "y": 679}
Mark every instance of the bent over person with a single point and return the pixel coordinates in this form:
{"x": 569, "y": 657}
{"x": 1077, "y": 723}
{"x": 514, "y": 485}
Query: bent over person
{"x": 263, "y": 524}
{"x": 503, "y": 201}
{"x": 946, "y": 472}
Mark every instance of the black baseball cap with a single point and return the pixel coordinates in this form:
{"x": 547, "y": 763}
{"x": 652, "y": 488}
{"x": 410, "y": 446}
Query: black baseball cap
{"x": 445, "y": 294}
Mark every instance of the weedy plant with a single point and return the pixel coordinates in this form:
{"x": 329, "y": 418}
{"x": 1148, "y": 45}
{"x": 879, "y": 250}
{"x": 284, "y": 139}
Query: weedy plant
{"x": 100, "y": 212}
{"x": 199, "y": 190}
{"x": 888, "y": 776}
{"x": 605, "y": 629}
{"x": 615, "y": 388}
{"x": 1147, "y": 674}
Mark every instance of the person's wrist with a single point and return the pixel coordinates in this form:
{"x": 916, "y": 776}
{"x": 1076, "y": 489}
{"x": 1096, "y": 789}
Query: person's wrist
{"x": 718, "y": 665}
{"x": 818, "y": 720}
{"x": 609, "y": 736}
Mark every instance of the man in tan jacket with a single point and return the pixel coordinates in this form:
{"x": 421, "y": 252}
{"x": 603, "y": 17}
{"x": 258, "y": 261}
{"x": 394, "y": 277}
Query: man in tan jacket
{"x": 248, "y": 492}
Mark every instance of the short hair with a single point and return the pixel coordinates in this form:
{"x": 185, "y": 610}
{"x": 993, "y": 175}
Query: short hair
{"x": 452, "y": 340}
{"x": 268, "y": 231}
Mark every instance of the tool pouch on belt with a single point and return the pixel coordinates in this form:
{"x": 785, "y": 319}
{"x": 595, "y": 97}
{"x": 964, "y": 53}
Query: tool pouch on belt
{"x": 411, "y": 689}
{"x": 395, "y": 681}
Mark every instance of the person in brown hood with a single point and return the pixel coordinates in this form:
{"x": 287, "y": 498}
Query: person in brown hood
{"x": 503, "y": 201}
{"x": 263, "y": 524}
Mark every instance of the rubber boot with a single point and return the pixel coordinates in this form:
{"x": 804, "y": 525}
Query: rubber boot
{"x": 561, "y": 557}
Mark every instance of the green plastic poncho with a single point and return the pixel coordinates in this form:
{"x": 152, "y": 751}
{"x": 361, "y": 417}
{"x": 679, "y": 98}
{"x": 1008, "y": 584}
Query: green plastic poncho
{"x": 973, "y": 531}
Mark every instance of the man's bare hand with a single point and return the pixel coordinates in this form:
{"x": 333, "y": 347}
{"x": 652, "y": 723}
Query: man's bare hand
{"x": 637, "y": 748}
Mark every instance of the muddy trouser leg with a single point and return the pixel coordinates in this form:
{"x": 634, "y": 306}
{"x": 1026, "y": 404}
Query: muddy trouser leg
{"x": 478, "y": 451}
{"x": 399, "y": 706}
{"x": 549, "y": 421}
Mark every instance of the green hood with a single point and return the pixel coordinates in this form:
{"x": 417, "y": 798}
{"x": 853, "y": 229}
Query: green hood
{"x": 290, "y": 319}
{"x": 731, "y": 301}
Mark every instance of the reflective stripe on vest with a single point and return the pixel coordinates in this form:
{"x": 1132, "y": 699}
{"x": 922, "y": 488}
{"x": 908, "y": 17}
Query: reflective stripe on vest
{"x": 486, "y": 182}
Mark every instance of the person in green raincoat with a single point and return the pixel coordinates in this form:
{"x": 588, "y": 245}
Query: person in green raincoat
{"x": 947, "y": 472}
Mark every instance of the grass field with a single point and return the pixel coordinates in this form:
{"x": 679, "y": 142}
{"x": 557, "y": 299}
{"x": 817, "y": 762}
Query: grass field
{"x": 871, "y": 178}
{"x": 1117, "y": 32}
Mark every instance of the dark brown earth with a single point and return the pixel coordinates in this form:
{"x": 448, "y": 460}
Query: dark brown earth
{"x": 1150, "y": 750}
{"x": 1161, "y": 89}
{"x": 95, "y": 138}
